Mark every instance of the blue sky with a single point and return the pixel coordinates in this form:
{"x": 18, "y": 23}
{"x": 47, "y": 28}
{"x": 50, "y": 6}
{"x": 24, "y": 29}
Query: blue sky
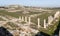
{"x": 42, "y": 3}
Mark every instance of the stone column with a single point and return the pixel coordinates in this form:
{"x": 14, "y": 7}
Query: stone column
{"x": 38, "y": 22}
{"x": 50, "y": 19}
{"x": 19, "y": 17}
{"x": 26, "y": 19}
{"x": 56, "y": 15}
{"x": 22, "y": 18}
{"x": 45, "y": 23}
{"x": 29, "y": 20}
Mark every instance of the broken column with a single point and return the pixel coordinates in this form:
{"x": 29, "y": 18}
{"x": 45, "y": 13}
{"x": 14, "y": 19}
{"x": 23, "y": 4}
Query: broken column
{"x": 38, "y": 22}
{"x": 45, "y": 23}
{"x": 29, "y": 20}
{"x": 25, "y": 19}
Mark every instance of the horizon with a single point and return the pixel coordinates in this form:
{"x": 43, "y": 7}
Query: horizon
{"x": 38, "y": 3}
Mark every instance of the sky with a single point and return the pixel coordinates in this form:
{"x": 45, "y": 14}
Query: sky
{"x": 40, "y": 3}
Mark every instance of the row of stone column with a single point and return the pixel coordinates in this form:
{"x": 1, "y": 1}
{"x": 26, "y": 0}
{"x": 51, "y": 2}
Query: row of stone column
{"x": 45, "y": 24}
{"x": 26, "y": 19}
{"x": 50, "y": 19}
